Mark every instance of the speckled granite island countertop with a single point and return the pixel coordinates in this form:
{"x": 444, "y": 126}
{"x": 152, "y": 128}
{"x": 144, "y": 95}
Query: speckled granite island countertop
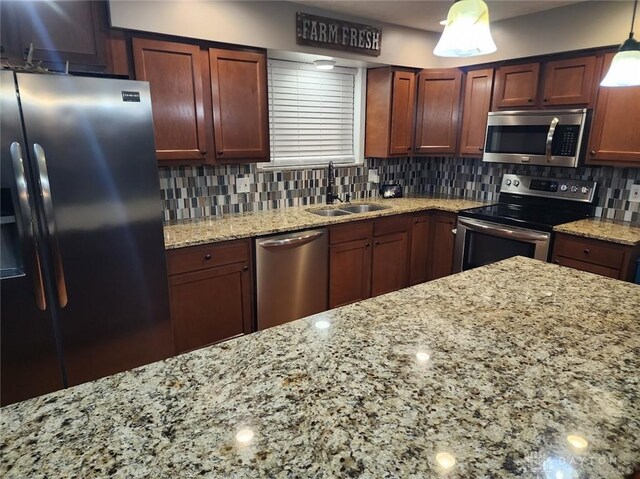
{"x": 603, "y": 229}
{"x": 181, "y": 233}
{"x": 517, "y": 369}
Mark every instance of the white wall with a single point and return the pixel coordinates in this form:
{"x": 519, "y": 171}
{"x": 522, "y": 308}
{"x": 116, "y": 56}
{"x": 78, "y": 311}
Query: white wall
{"x": 271, "y": 24}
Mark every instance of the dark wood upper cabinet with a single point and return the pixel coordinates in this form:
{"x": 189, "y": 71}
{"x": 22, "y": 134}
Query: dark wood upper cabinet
{"x": 60, "y": 31}
{"x": 420, "y": 248}
{"x": 239, "y": 97}
{"x": 211, "y": 295}
{"x": 516, "y": 86}
{"x": 438, "y": 111}
{"x": 614, "y": 138}
{"x": 442, "y": 244}
{"x": 569, "y": 82}
{"x": 390, "y": 112}
{"x": 478, "y": 87}
{"x": 174, "y": 73}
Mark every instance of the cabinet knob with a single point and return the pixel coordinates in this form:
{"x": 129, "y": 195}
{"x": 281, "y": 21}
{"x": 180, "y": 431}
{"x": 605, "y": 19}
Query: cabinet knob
{"x": 480, "y": 148}
{"x": 593, "y": 152}
{"x": 408, "y": 148}
{"x": 245, "y": 268}
{"x": 367, "y": 245}
{"x": 530, "y": 100}
{"x": 203, "y": 151}
{"x": 220, "y": 152}
{"x": 556, "y": 261}
{"x": 207, "y": 256}
{"x": 545, "y": 99}
{"x": 377, "y": 243}
{"x": 586, "y": 251}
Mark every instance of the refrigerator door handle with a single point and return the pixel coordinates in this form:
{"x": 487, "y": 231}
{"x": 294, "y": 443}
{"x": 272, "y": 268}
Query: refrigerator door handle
{"x": 27, "y": 223}
{"x": 45, "y": 190}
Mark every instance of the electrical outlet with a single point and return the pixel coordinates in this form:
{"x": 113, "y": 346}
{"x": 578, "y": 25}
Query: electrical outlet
{"x": 373, "y": 176}
{"x": 635, "y": 193}
{"x": 243, "y": 185}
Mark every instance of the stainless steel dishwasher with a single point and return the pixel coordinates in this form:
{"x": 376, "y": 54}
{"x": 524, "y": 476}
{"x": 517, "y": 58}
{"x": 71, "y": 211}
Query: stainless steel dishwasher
{"x": 292, "y": 276}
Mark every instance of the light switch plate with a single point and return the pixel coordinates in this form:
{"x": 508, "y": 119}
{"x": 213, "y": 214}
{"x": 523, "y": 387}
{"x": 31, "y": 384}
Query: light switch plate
{"x": 373, "y": 176}
{"x": 635, "y": 193}
{"x": 243, "y": 185}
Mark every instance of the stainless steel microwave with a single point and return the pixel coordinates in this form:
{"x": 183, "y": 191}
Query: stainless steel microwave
{"x": 536, "y": 137}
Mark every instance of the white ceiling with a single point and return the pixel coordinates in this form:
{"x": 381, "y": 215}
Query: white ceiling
{"x": 427, "y": 14}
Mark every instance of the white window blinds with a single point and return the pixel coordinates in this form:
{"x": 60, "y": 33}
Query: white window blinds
{"x": 311, "y": 114}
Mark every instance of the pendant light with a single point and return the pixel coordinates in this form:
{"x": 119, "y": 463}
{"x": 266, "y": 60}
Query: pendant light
{"x": 466, "y": 33}
{"x": 625, "y": 67}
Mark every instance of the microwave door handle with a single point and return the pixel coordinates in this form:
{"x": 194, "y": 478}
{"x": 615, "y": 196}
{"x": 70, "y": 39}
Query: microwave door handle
{"x": 550, "y": 133}
{"x": 27, "y": 223}
{"x": 503, "y": 231}
{"x": 45, "y": 190}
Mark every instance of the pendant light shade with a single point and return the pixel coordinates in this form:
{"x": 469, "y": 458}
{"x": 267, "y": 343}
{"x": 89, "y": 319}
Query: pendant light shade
{"x": 467, "y": 32}
{"x": 625, "y": 66}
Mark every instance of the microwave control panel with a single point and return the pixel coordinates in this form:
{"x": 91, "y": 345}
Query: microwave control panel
{"x": 565, "y": 140}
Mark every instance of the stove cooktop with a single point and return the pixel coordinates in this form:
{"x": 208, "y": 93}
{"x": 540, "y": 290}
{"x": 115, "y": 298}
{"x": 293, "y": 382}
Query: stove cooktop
{"x": 538, "y": 203}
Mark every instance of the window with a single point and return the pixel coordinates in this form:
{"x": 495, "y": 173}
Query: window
{"x": 314, "y": 116}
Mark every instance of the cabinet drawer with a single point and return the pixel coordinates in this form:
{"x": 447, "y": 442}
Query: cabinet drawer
{"x": 206, "y": 256}
{"x": 392, "y": 224}
{"x": 350, "y": 232}
{"x": 589, "y": 267}
{"x": 590, "y": 251}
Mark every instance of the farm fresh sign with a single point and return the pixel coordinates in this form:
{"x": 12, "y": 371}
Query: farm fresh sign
{"x": 323, "y": 32}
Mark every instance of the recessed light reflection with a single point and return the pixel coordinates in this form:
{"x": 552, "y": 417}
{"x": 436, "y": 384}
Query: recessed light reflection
{"x": 422, "y": 357}
{"x": 558, "y": 468}
{"x": 244, "y": 436}
{"x": 445, "y": 460}
{"x": 322, "y": 324}
{"x": 576, "y": 441}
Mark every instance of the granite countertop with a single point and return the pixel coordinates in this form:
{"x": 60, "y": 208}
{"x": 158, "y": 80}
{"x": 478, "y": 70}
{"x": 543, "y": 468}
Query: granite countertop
{"x": 516, "y": 369}
{"x": 181, "y": 233}
{"x": 603, "y": 229}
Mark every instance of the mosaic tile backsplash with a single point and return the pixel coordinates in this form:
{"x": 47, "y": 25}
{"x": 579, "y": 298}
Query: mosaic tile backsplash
{"x": 197, "y": 191}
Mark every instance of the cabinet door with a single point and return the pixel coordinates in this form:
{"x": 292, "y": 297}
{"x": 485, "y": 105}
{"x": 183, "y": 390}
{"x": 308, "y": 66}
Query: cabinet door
{"x": 239, "y": 96}
{"x": 420, "y": 246}
{"x": 442, "y": 244}
{"x": 60, "y": 31}
{"x": 477, "y": 103}
{"x": 349, "y": 272}
{"x": 174, "y": 73}
{"x": 569, "y": 82}
{"x": 402, "y": 113}
{"x": 616, "y": 122}
{"x": 210, "y": 305}
{"x": 389, "y": 271}
{"x": 438, "y": 109}
{"x": 517, "y": 86}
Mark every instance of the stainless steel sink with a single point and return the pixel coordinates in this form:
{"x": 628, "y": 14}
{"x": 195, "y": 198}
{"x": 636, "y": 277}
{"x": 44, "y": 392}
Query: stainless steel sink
{"x": 329, "y": 212}
{"x": 363, "y": 208}
{"x": 348, "y": 209}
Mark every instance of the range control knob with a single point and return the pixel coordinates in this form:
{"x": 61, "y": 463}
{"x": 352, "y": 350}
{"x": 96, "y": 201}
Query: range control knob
{"x": 516, "y": 183}
{"x": 507, "y": 182}
{"x": 574, "y": 189}
{"x": 563, "y": 187}
{"x": 584, "y": 190}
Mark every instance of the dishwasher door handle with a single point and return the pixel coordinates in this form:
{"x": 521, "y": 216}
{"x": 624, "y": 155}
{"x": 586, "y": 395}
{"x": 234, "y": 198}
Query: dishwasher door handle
{"x": 290, "y": 242}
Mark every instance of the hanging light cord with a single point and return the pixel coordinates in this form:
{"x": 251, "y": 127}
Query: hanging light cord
{"x": 633, "y": 17}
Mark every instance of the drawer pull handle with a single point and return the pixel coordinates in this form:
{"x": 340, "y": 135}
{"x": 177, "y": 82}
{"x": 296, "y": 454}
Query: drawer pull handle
{"x": 586, "y": 251}
{"x": 207, "y": 256}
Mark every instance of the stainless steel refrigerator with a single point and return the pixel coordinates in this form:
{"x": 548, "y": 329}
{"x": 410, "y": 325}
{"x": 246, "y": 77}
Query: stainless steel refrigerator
{"x": 83, "y": 272}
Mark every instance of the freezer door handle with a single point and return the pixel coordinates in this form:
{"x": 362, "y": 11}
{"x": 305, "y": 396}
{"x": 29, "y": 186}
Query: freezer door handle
{"x": 291, "y": 242}
{"x": 27, "y": 223}
{"x": 45, "y": 191}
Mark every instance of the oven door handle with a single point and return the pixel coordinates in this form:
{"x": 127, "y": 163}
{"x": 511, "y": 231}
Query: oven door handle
{"x": 550, "y": 133}
{"x": 503, "y": 231}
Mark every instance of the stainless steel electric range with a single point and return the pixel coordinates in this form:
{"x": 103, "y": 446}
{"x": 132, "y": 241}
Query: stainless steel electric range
{"x": 521, "y": 223}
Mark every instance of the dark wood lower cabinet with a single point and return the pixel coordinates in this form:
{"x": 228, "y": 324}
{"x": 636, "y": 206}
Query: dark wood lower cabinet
{"x": 213, "y": 301}
{"x": 420, "y": 245}
{"x": 349, "y": 272}
{"x": 389, "y": 266}
{"x": 442, "y": 244}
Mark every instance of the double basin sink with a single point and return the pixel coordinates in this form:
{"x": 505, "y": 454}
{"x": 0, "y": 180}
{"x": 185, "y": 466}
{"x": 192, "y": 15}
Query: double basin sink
{"x": 348, "y": 209}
